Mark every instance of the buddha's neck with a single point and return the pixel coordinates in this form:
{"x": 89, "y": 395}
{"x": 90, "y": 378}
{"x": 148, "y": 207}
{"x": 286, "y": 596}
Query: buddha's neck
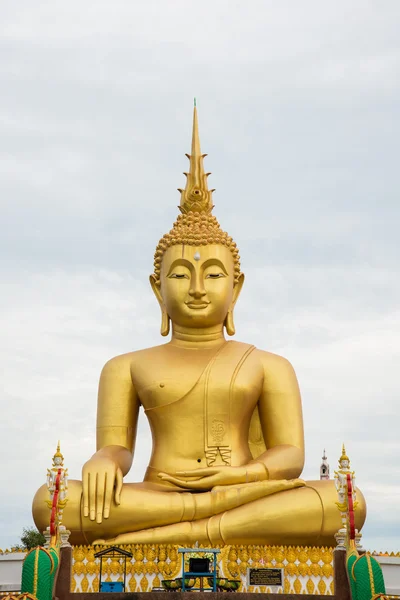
{"x": 207, "y": 337}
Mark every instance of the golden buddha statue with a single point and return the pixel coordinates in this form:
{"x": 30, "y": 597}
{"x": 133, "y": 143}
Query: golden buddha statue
{"x": 225, "y": 417}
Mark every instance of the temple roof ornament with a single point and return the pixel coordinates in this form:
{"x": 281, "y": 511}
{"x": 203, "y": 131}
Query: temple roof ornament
{"x": 344, "y": 461}
{"x": 58, "y": 459}
{"x": 196, "y": 197}
{"x": 324, "y": 468}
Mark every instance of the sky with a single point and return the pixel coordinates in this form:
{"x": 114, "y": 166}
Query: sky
{"x": 299, "y": 112}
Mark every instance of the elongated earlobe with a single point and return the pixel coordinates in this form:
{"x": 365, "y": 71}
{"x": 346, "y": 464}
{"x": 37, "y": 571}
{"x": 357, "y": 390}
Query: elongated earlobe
{"x": 164, "y": 322}
{"x": 164, "y": 315}
{"x": 229, "y": 324}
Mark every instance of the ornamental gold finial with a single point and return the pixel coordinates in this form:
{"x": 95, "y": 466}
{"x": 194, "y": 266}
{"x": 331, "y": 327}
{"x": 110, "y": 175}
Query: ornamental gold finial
{"x": 196, "y": 197}
{"x": 344, "y": 455}
{"x": 58, "y": 455}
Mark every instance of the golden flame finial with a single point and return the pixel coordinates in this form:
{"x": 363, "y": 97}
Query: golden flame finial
{"x": 344, "y": 455}
{"x": 58, "y": 455}
{"x": 196, "y": 197}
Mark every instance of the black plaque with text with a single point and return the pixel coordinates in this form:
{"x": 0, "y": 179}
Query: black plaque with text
{"x": 268, "y": 577}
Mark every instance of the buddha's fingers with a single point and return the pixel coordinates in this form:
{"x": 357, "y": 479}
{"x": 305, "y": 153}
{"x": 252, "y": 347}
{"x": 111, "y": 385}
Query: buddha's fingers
{"x": 109, "y": 542}
{"x": 193, "y": 484}
{"x": 85, "y": 488}
{"x": 280, "y": 485}
{"x": 167, "y": 534}
{"x": 267, "y": 487}
{"x": 92, "y": 495}
{"x": 109, "y": 488}
{"x": 118, "y": 487}
{"x": 133, "y": 537}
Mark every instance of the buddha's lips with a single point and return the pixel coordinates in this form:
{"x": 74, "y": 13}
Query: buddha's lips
{"x": 197, "y": 305}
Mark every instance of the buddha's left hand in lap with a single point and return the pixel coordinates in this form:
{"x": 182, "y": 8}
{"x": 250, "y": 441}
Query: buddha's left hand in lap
{"x": 209, "y": 477}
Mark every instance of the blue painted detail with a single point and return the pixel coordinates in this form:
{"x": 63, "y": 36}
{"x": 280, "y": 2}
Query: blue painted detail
{"x": 112, "y": 586}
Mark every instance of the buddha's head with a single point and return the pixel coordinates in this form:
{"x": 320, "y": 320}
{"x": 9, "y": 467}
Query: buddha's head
{"x": 197, "y": 277}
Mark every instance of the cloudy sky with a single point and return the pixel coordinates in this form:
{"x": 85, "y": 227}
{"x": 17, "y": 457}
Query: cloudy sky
{"x": 299, "y": 113}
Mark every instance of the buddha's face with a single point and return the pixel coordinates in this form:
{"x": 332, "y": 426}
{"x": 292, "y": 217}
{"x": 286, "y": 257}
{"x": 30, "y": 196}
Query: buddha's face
{"x": 197, "y": 284}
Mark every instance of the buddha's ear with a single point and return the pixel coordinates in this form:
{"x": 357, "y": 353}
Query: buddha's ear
{"x": 237, "y": 288}
{"x": 155, "y": 286}
{"x": 229, "y": 322}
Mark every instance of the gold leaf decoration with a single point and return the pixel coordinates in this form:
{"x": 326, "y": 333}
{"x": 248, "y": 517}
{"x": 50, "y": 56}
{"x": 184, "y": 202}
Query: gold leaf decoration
{"x": 233, "y": 555}
{"x": 279, "y": 557}
{"x": 115, "y": 566}
{"x": 233, "y": 569}
{"x": 297, "y": 586}
{"x": 327, "y": 570}
{"x": 291, "y": 569}
{"x": 315, "y": 570}
{"x": 132, "y": 584}
{"x": 85, "y": 584}
{"x": 138, "y": 567}
{"x": 303, "y": 569}
{"x": 286, "y": 586}
{"x": 144, "y": 584}
{"x": 138, "y": 553}
{"x": 291, "y": 555}
{"x": 310, "y": 586}
{"x": 327, "y": 556}
{"x": 150, "y": 567}
{"x": 314, "y": 555}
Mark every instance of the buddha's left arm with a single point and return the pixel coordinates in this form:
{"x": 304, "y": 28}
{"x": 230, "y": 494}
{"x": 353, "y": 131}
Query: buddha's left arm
{"x": 281, "y": 419}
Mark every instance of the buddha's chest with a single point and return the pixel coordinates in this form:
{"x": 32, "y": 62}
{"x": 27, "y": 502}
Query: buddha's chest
{"x": 168, "y": 381}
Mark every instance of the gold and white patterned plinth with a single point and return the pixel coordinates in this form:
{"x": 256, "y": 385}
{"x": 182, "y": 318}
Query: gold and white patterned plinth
{"x": 306, "y": 570}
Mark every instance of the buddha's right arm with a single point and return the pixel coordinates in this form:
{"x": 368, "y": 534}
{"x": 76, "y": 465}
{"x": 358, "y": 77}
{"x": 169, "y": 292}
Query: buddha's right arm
{"x": 117, "y": 416}
{"x": 117, "y": 412}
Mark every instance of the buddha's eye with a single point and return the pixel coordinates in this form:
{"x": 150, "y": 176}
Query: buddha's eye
{"x": 214, "y": 275}
{"x": 178, "y": 276}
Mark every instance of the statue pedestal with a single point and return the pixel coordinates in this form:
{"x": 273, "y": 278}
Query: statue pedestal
{"x": 307, "y": 571}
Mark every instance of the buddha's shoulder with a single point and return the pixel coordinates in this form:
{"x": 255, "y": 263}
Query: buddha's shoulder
{"x": 271, "y": 361}
{"x": 125, "y": 361}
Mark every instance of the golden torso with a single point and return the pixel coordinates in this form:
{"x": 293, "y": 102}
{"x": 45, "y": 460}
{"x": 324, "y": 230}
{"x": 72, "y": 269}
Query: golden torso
{"x": 173, "y": 399}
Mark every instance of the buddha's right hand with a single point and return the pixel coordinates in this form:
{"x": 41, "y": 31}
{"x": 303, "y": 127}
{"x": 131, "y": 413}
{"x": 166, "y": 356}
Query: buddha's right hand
{"x": 99, "y": 476}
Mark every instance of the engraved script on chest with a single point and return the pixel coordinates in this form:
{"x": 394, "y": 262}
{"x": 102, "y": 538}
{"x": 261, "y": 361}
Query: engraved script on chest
{"x": 217, "y": 431}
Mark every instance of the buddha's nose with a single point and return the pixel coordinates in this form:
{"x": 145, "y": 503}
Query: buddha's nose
{"x": 197, "y": 290}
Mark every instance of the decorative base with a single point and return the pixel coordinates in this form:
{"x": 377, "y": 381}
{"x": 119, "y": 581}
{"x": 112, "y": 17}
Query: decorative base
{"x": 310, "y": 564}
{"x": 306, "y": 570}
{"x": 341, "y": 539}
{"x": 47, "y": 537}
{"x": 64, "y": 536}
